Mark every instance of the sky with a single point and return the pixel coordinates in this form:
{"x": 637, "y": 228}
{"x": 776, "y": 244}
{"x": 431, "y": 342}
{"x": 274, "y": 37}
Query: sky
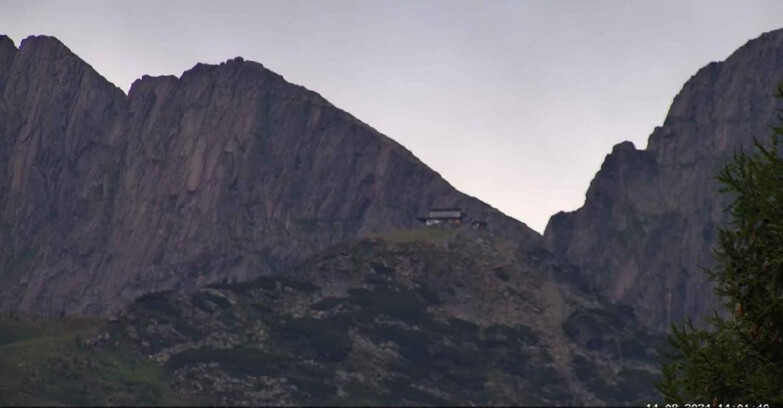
{"x": 514, "y": 102}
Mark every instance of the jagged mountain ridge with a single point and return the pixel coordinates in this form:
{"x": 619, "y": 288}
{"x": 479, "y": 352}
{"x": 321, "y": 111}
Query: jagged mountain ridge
{"x": 228, "y": 172}
{"x": 649, "y": 218}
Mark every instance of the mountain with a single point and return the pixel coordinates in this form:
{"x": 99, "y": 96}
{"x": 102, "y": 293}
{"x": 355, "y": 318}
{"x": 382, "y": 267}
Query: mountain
{"x": 254, "y": 245}
{"x": 411, "y": 317}
{"x": 225, "y": 173}
{"x": 649, "y": 219}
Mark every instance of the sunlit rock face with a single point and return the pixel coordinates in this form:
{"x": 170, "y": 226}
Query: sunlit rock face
{"x": 649, "y": 218}
{"x": 226, "y": 173}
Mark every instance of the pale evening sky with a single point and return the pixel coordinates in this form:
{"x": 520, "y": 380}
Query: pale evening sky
{"x": 514, "y": 102}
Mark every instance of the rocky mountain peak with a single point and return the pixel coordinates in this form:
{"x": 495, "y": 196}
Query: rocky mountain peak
{"x": 43, "y": 50}
{"x": 7, "y": 53}
{"x": 623, "y": 147}
{"x": 46, "y": 41}
{"x": 648, "y": 223}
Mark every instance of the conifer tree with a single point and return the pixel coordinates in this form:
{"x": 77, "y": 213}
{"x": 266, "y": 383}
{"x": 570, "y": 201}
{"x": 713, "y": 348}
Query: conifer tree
{"x": 738, "y": 357}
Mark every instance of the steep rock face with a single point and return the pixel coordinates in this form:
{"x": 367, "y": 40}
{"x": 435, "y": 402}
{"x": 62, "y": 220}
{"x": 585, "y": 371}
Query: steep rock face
{"x": 649, "y": 218}
{"x": 228, "y": 172}
{"x": 62, "y": 146}
{"x": 7, "y": 54}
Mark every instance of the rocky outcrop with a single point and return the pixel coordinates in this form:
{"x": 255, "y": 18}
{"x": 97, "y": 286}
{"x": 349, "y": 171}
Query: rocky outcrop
{"x": 650, "y": 216}
{"x": 225, "y": 173}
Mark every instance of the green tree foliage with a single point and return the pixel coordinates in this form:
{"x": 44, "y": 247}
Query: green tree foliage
{"x": 738, "y": 358}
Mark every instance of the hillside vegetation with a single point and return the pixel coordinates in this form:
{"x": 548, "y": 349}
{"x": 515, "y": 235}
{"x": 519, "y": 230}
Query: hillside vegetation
{"x": 426, "y": 317}
{"x": 60, "y": 362}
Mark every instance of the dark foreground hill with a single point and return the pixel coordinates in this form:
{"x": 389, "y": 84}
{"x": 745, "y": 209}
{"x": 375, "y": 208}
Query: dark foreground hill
{"x": 423, "y": 317}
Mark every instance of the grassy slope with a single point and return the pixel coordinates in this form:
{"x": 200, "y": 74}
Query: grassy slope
{"x": 48, "y": 363}
{"x": 430, "y": 235}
